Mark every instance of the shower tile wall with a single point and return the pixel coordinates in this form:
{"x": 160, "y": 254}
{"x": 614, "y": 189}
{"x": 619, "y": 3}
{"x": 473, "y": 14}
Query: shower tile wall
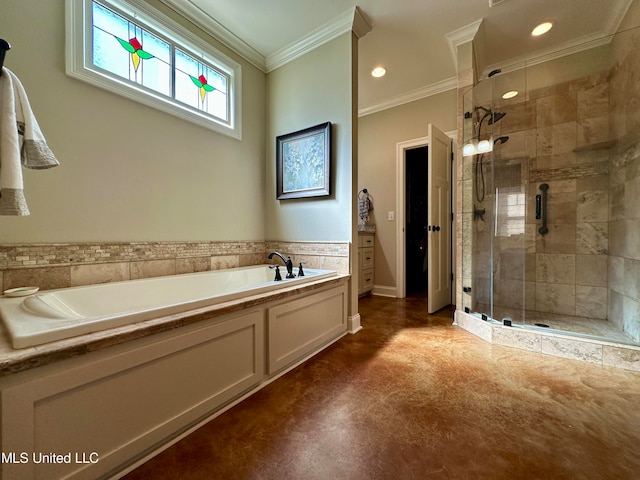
{"x": 624, "y": 226}
{"x": 559, "y": 136}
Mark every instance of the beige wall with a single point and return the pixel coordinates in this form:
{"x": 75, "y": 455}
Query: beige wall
{"x": 378, "y": 135}
{"x": 128, "y": 172}
{"x": 311, "y": 90}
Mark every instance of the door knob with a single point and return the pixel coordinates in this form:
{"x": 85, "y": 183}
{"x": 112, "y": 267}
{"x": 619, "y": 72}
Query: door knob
{"x": 437, "y": 228}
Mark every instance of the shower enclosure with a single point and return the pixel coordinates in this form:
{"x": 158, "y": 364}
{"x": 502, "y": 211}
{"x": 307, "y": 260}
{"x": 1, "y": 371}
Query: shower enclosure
{"x": 551, "y": 192}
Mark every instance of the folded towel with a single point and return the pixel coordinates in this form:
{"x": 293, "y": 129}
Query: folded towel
{"x": 364, "y": 205}
{"x": 21, "y": 144}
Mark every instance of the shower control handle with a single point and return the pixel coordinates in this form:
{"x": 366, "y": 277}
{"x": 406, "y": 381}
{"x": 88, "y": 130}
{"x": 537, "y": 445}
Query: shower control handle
{"x": 543, "y": 230}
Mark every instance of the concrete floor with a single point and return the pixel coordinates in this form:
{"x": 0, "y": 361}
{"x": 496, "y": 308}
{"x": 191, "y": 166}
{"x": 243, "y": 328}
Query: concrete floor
{"x": 412, "y": 397}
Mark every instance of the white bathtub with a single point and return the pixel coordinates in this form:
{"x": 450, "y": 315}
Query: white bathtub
{"x": 58, "y": 314}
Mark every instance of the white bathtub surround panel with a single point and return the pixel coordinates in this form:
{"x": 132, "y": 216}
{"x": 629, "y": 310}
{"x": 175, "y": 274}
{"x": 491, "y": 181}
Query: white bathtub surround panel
{"x": 60, "y": 406}
{"x": 65, "y": 406}
{"x": 291, "y": 321}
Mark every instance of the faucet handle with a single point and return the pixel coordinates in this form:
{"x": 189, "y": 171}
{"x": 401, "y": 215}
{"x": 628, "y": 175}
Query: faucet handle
{"x": 278, "y": 276}
{"x": 300, "y": 271}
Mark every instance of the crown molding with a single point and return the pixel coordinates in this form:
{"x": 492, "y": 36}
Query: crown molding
{"x": 412, "y": 96}
{"x": 461, "y": 36}
{"x": 568, "y": 48}
{"x": 202, "y": 19}
{"x": 615, "y": 20}
{"x": 351, "y": 20}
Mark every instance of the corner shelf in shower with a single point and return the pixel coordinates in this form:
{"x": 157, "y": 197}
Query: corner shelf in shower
{"x": 595, "y": 146}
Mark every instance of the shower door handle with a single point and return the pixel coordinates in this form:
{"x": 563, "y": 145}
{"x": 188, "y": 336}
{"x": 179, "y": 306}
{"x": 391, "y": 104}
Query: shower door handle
{"x": 543, "y": 229}
{"x": 538, "y": 207}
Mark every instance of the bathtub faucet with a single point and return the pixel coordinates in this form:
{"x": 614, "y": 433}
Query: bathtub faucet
{"x": 287, "y": 261}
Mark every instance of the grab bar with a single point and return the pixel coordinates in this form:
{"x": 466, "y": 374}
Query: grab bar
{"x": 541, "y": 210}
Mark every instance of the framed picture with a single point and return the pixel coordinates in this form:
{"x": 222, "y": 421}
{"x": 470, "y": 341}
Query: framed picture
{"x": 303, "y": 163}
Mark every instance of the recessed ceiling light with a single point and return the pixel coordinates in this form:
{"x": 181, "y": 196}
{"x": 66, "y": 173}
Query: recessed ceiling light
{"x": 542, "y": 29}
{"x": 378, "y": 72}
{"x": 510, "y": 94}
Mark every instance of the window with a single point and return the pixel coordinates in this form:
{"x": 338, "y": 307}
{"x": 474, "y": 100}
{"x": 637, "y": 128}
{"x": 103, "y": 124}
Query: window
{"x": 510, "y": 217}
{"x": 127, "y": 48}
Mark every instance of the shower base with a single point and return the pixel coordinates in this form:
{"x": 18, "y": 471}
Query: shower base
{"x": 586, "y": 347}
{"x": 593, "y": 327}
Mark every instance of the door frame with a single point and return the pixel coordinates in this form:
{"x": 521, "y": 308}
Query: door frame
{"x": 401, "y": 169}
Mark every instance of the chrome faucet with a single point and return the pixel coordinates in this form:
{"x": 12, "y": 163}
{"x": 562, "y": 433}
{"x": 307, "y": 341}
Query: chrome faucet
{"x": 287, "y": 261}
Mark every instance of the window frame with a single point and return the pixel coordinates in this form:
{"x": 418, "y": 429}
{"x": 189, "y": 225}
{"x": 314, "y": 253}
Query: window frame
{"x": 79, "y": 62}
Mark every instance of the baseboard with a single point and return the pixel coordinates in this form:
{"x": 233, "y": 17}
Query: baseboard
{"x": 353, "y": 324}
{"x": 384, "y": 291}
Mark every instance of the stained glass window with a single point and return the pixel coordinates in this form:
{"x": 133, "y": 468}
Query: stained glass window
{"x": 210, "y": 92}
{"x": 126, "y": 44}
{"x": 128, "y": 50}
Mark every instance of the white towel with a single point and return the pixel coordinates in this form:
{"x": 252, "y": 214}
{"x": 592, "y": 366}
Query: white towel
{"x": 21, "y": 144}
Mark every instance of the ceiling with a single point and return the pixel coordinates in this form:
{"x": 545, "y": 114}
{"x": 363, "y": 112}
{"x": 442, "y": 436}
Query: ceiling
{"x": 413, "y": 39}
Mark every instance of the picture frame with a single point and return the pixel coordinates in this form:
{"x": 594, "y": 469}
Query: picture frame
{"x": 303, "y": 163}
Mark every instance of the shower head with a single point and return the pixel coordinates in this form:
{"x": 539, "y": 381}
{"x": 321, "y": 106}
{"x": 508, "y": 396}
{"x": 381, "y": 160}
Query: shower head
{"x": 488, "y": 113}
{"x": 501, "y": 140}
{"x": 496, "y": 117}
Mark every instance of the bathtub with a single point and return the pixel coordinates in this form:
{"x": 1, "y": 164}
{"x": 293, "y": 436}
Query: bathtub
{"x": 63, "y": 313}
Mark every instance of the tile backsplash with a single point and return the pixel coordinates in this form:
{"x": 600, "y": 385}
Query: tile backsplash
{"x": 58, "y": 265}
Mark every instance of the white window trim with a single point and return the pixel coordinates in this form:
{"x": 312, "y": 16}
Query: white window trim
{"x": 79, "y": 63}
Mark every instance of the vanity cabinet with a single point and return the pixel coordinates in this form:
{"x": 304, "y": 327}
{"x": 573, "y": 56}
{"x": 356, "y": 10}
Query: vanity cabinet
{"x": 365, "y": 263}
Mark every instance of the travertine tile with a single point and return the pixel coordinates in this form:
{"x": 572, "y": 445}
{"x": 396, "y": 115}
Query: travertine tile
{"x": 593, "y": 206}
{"x": 632, "y": 198}
{"x": 153, "y": 268}
{"x": 516, "y": 338}
{"x": 591, "y": 270}
{"x": 556, "y": 109}
{"x": 593, "y": 101}
{"x": 99, "y": 273}
{"x": 592, "y": 238}
{"x": 221, "y": 262}
{"x": 556, "y": 298}
{"x": 560, "y": 239}
{"x": 574, "y": 349}
{"x": 472, "y": 324}
{"x": 621, "y": 357}
{"x": 192, "y": 264}
{"x": 555, "y": 268}
{"x": 591, "y": 302}
{"x": 46, "y": 278}
{"x": 594, "y": 130}
{"x": 631, "y": 318}
{"x": 556, "y": 139}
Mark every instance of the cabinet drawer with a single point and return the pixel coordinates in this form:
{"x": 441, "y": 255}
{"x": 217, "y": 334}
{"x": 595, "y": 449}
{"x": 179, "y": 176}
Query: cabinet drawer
{"x": 365, "y": 241}
{"x": 367, "y": 279}
{"x": 367, "y": 258}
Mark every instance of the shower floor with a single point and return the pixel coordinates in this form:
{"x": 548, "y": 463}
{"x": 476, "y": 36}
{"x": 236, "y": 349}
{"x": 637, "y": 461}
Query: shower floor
{"x": 596, "y": 327}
